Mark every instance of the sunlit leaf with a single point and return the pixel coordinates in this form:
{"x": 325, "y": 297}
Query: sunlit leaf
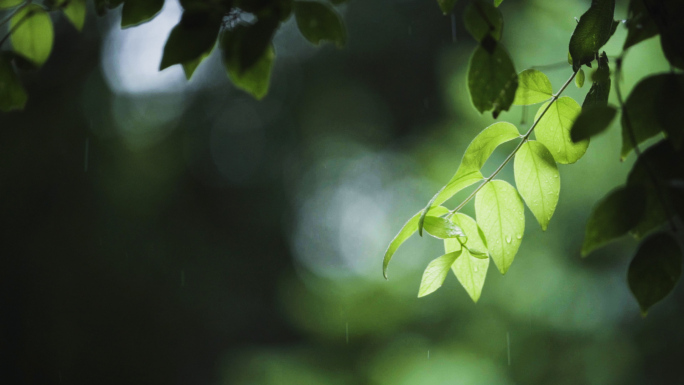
{"x": 639, "y": 24}
{"x": 139, "y": 11}
{"x": 538, "y": 180}
{"x": 442, "y": 228}
{"x": 655, "y": 270}
{"x": 75, "y": 11}
{"x": 4, "y": 4}
{"x": 653, "y": 106}
{"x": 405, "y": 233}
{"x": 474, "y": 158}
{"x": 320, "y": 22}
{"x": 500, "y": 214}
{"x": 554, "y": 127}
{"x": 579, "y": 79}
{"x": 33, "y": 34}
{"x": 12, "y": 93}
{"x": 492, "y": 80}
{"x": 436, "y": 273}
{"x": 497, "y": 2}
{"x": 471, "y": 267}
{"x": 613, "y": 217}
{"x": 600, "y": 88}
{"x": 533, "y": 87}
{"x": 482, "y": 19}
{"x": 192, "y": 37}
{"x": 592, "y": 121}
{"x": 664, "y": 164}
{"x": 593, "y": 31}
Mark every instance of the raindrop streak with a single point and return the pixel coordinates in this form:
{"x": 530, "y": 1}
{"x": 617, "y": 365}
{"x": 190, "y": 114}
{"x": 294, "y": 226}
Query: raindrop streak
{"x": 85, "y": 160}
{"x": 508, "y": 239}
{"x": 453, "y": 28}
{"x": 182, "y": 278}
{"x": 346, "y": 327}
{"x": 428, "y": 354}
{"x": 508, "y": 345}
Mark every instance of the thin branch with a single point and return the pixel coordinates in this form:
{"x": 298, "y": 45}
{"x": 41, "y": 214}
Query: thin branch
{"x": 525, "y": 138}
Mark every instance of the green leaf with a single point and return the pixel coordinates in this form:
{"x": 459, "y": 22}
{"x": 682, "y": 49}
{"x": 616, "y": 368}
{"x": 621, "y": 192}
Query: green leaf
{"x": 190, "y": 66}
{"x": 579, "y": 79}
{"x": 613, "y": 217}
{"x": 593, "y": 31}
{"x": 492, "y": 80}
{"x": 75, "y": 11}
{"x": 668, "y": 16}
{"x": 12, "y": 93}
{"x": 533, "y": 87}
{"x": 553, "y": 130}
{"x": 482, "y": 19}
{"x": 538, "y": 180}
{"x": 319, "y": 21}
{"x": 655, "y": 270}
{"x": 446, "y": 5}
{"x": 653, "y": 106}
{"x": 192, "y": 37}
{"x": 405, "y": 233}
{"x": 600, "y": 88}
{"x": 497, "y": 2}
{"x": 640, "y": 25}
{"x": 33, "y": 34}
{"x": 442, "y": 228}
{"x": 5, "y": 4}
{"x": 136, "y": 12}
{"x": 474, "y": 158}
{"x": 500, "y": 214}
{"x": 471, "y": 268}
{"x": 436, "y": 273}
{"x": 592, "y": 121}
{"x": 665, "y": 164}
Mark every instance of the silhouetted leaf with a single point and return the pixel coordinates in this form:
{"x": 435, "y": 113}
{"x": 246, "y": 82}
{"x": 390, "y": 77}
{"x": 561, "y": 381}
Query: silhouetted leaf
{"x": 665, "y": 164}
{"x": 405, "y": 233}
{"x": 482, "y": 19}
{"x": 613, "y": 217}
{"x": 639, "y": 23}
{"x": 446, "y": 5}
{"x": 655, "y": 270}
{"x": 554, "y": 127}
{"x": 192, "y": 37}
{"x": 12, "y": 94}
{"x": 579, "y": 79}
{"x": 136, "y": 12}
{"x": 533, "y": 87}
{"x": 33, "y": 34}
{"x": 436, "y": 273}
{"x": 653, "y": 106}
{"x": 600, "y": 88}
{"x": 500, "y": 214}
{"x": 190, "y": 66}
{"x": 319, "y": 21}
{"x": 592, "y": 121}
{"x": 668, "y": 16}
{"x": 538, "y": 180}
{"x": 492, "y": 80}
{"x": 441, "y": 228}
{"x": 593, "y": 31}
{"x": 470, "y": 270}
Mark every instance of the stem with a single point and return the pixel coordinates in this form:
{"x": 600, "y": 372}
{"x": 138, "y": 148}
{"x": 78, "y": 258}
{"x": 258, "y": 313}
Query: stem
{"x": 525, "y": 138}
{"x": 635, "y": 144}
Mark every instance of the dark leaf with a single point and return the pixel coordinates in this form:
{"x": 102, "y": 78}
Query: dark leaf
{"x": 593, "y": 31}
{"x": 12, "y": 94}
{"x": 194, "y": 35}
{"x": 492, "y": 80}
{"x": 640, "y": 25}
{"x": 255, "y": 79}
{"x": 668, "y": 16}
{"x": 655, "y": 270}
{"x": 482, "y": 19}
{"x": 592, "y": 121}
{"x": 319, "y": 21}
{"x": 139, "y": 11}
{"x": 600, "y": 87}
{"x": 613, "y": 217}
